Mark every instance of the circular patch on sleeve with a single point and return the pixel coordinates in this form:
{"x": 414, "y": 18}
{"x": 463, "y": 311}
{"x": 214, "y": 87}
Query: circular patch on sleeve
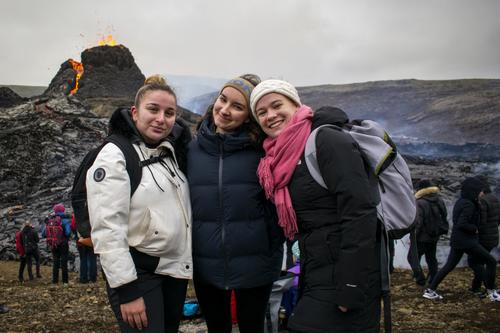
{"x": 99, "y": 174}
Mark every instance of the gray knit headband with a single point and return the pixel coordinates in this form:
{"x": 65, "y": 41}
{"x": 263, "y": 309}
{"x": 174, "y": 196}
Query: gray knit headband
{"x": 243, "y": 86}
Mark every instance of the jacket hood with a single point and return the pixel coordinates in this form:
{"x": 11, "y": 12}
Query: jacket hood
{"x": 329, "y": 115}
{"x": 213, "y": 142}
{"x": 427, "y": 192}
{"x": 471, "y": 187}
{"x": 121, "y": 123}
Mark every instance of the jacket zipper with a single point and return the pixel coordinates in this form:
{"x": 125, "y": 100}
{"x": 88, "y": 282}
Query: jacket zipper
{"x": 221, "y": 213}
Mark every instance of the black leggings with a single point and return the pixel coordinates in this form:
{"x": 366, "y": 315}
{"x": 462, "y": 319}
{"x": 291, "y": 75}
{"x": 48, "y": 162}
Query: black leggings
{"x": 164, "y": 305}
{"x": 251, "y": 305}
{"x": 454, "y": 257}
{"x": 477, "y": 265}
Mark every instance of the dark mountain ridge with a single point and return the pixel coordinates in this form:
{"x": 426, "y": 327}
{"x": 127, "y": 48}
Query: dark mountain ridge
{"x": 450, "y": 111}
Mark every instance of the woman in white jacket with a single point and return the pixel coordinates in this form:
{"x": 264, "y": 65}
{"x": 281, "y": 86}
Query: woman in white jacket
{"x": 144, "y": 240}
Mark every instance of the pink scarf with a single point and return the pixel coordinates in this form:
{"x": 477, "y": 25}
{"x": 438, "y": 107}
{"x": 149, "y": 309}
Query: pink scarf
{"x": 277, "y": 167}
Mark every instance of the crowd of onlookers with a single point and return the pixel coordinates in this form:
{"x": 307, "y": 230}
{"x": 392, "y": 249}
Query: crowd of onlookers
{"x": 58, "y": 229}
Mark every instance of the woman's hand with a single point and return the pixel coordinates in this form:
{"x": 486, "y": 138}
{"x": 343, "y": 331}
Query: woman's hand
{"x": 342, "y": 308}
{"x": 134, "y": 313}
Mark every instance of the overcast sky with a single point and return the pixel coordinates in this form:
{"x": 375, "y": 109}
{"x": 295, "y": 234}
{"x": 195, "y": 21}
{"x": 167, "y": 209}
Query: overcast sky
{"x": 306, "y": 42}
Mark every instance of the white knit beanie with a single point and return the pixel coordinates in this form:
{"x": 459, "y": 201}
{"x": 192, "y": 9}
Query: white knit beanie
{"x": 273, "y": 86}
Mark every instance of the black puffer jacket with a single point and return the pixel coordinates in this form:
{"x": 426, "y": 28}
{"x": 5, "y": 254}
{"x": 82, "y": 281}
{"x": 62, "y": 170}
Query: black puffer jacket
{"x": 339, "y": 251}
{"x": 490, "y": 219}
{"x": 30, "y": 239}
{"x": 464, "y": 234}
{"x": 431, "y": 212}
{"x": 237, "y": 242}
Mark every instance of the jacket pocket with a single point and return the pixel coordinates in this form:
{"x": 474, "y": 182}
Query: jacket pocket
{"x": 333, "y": 243}
{"x": 137, "y": 234}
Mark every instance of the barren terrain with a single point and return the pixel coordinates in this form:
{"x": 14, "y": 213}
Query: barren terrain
{"x": 38, "y": 306}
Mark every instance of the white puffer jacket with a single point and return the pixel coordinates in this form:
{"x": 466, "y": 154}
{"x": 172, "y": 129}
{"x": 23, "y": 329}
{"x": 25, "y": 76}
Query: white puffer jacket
{"x": 155, "y": 221}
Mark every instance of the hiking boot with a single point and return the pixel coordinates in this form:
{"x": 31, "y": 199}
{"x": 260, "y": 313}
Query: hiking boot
{"x": 493, "y": 295}
{"x": 431, "y": 294}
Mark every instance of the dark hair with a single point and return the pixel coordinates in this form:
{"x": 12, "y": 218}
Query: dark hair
{"x": 251, "y": 126}
{"x": 424, "y": 183}
{"x": 486, "y": 184}
{"x": 153, "y": 83}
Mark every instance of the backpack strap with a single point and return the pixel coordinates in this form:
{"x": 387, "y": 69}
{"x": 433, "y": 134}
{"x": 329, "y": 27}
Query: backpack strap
{"x": 385, "y": 278}
{"x": 132, "y": 161}
{"x": 311, "y": 157}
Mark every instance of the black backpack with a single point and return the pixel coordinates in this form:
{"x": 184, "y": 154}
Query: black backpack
{"x": 79, "y": 190}
{"x": 435, "y": 222}
{"x": 29, "y": 240}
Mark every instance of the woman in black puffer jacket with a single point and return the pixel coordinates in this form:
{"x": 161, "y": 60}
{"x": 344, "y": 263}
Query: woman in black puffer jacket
{"x": 337, "y": 228}
{"x": 464, "y": 239}
{"x": 237, "y": 243}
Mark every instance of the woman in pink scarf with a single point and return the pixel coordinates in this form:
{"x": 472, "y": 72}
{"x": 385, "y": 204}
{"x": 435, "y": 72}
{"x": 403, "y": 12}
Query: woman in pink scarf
{"x": 337, "y": 228}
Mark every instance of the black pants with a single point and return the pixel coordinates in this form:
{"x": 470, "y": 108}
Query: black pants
{"x": 251, "y": 305}
{"x": 164, "y": 304}
{"x": 27, "y": 260}
{"x": 478, "y": 266}
{"x": 429, "y": 250}
{"x": 36, "y": 256}
{"x": 454, "y": 257}
{"x": 60, "y": 260}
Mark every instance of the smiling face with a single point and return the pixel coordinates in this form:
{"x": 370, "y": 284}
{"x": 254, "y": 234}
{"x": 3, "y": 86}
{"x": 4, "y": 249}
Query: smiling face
{"x": 154, "y": 117}
{"x": 274, "y": 111}
{"x": 230, "y": 110}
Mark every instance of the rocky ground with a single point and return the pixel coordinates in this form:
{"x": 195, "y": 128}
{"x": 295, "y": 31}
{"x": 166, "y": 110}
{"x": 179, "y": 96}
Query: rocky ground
{"x": 38, "y": 306}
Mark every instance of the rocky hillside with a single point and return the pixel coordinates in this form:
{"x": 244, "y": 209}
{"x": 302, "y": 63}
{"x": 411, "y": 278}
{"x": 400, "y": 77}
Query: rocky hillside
{"x": 455, "y": 111}
{"x": 42, "y": 142}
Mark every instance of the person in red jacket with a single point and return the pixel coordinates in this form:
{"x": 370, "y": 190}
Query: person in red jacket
{"x": 88, "y": 259}
{"x": 20, "y": 251}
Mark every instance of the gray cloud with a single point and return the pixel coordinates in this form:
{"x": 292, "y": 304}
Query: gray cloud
{"x": 305, "y": 42}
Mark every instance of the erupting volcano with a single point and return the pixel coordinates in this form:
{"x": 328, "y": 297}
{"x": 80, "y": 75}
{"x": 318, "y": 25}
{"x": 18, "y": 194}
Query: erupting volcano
{"x": 107, "y": 70}
{"x": 107, "y": 40}
{"x": 78, "y": 68}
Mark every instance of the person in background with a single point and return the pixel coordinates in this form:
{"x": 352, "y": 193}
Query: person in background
{"x": 22, "y": 257}
{"x": 57, "y": 231}
{"x": 430, "y": 223}
{"x": 464, "y": 239}
{"x": 487, "y": 233}
{"x": 30, "y": 239}
{"x": 237, "y": 243}
{"x": 144, "y": 241}
{"x": 88, "y": 259}
{"x": 338, "y": 232}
